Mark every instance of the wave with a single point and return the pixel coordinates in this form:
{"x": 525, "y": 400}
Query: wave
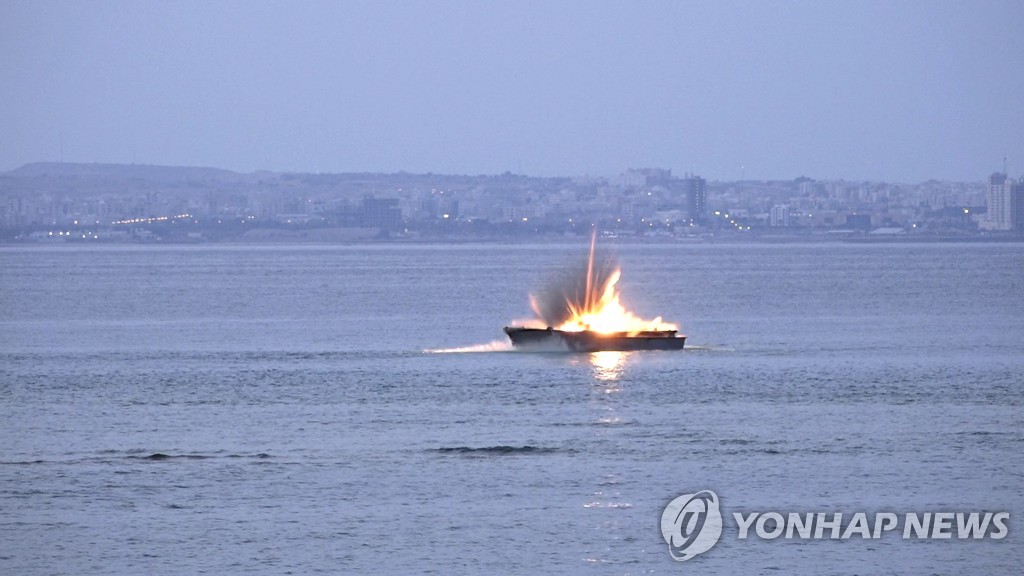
{"x": 492, "y": 346}
{"x": 608, "y": 505}
{"x": 708, "y": 348}
{"x": 496, "y": 450}
{"x": 105, "y": 457}
{"x": 158, "y": 456}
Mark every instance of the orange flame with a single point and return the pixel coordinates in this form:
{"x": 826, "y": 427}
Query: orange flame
{"x": 601, "y": 310}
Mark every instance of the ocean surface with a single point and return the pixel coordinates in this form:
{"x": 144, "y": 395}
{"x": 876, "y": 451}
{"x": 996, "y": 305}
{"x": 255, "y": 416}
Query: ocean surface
{"x": 356, "y": 410}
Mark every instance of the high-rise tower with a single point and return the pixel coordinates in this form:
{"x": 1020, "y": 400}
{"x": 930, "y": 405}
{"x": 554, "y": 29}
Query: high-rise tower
{"x": 1002, "y": 200}
{"x": 696, "y": 189}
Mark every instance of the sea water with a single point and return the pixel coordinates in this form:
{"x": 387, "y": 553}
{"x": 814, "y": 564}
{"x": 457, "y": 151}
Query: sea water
{"x": 355, "y": 409}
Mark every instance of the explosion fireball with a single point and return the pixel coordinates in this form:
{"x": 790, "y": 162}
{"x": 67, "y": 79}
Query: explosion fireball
{"x": 587, "y": 299}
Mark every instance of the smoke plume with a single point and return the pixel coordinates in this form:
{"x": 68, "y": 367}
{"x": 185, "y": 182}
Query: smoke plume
{"x": 576, "y": 287}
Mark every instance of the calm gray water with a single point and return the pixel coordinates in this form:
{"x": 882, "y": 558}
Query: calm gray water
{"x": 296, "y": 410}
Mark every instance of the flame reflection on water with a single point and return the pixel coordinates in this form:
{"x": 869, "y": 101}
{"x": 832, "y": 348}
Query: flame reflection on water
{"x": 608, "y": 366}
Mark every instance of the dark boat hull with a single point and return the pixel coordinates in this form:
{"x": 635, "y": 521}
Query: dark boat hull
{"x": 587, "y": 341}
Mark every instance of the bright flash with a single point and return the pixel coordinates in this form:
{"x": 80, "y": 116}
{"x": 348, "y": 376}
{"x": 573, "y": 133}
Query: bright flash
{"x": 601, "y": 310}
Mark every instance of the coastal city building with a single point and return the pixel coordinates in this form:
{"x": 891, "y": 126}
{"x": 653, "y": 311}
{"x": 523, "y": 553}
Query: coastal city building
{"x": 696, "y": 190}
{"x": 1000, "y": 202}
{"x": 779, "y": 216}
{"x": 87, "y": 202}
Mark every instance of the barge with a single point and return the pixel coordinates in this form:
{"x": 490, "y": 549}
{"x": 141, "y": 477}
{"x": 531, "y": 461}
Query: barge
{"x": 591, "y": 341}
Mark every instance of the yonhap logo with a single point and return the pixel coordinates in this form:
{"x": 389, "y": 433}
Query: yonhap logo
{"x": 691, "y": 524}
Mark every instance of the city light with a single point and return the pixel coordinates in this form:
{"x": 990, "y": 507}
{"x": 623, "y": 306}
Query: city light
{"x": 551, "y": 206}
{"x": 149, "y": 220}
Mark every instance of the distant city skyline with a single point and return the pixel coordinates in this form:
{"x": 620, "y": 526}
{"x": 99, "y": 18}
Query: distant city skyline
{"x": 138, "y": 203}
{"x": 869, "y": 91}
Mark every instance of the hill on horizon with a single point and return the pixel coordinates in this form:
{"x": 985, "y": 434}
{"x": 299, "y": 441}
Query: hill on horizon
{"x": 58, "y": 169}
